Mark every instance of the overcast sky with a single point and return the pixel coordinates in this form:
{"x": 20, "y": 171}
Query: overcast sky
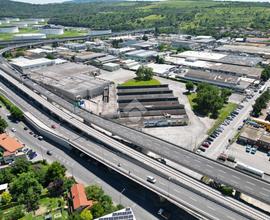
{"x": 40, "y": 1}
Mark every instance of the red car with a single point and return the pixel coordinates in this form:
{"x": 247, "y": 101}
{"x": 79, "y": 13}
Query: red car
{"x": 205, "y": 144}
{"x": 53, "y": 126}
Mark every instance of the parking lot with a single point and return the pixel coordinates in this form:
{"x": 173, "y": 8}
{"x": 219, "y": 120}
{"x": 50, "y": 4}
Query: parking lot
{"x": 259, "y": 160}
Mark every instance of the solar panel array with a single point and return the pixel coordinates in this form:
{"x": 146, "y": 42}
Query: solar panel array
{"x": 124, "y": 214}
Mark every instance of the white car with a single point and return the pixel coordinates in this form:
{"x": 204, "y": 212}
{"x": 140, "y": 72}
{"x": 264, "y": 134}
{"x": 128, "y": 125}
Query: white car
{"x": 151, "y": 179}
{"x": 13, "y": 129}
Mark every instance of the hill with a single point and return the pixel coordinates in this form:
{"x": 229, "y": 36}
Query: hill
{"x": 192, "y": 17}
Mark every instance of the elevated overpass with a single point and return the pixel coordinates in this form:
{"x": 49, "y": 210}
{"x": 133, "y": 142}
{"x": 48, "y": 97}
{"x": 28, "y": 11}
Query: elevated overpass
{"x": 187, "y": 193}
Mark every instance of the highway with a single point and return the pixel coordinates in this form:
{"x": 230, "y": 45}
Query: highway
{"x": 260, "y": 189}
{"x": 176, "y": 191}
{"x": 87, "y": 172}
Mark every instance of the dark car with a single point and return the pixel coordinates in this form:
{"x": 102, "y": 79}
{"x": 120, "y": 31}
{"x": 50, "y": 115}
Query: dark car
{"x": 49, "y": 152}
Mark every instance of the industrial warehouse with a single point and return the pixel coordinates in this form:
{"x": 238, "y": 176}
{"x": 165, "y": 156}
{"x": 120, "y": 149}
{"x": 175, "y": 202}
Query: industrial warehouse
{"x": 70, "y": 80}
{"x": 151, "y": 102}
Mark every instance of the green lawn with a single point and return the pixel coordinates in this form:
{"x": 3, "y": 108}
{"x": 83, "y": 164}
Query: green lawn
{"x": 135, "y": 82}
{"x": 223, "y": 114}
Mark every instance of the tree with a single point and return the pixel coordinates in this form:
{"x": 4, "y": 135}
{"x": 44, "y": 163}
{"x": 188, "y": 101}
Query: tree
{"x": 189, "y": 86}
{"x": 225, "y": 94}
{"x": 145, "y": 38}
{"x": 160, "y": 60}
{"x": 16, "y": 113}
{"x": 50, "y": 56}
{"x": 21, "y": 165}
{"x": 6, "y": 175}
{"x": 26, "y": 190}
{"x": 3, "y": 125}
{"x": 265, "y": 74}
{"x": 97, "y": 210}
{"x": 94, "y": 192}
{"x": 55, "y": 171}
{"x": 144, "y": 73}
{"x": 17, "y": 213}
{"x": 74, "y": 216}
{"x": 208, "y": 99}
{"x": 6, "y": 198}
{"x": 86, "y": 215}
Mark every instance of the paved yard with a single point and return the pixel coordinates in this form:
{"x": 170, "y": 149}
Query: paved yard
{"x": 260, "y": 160}
{"x": 186, "y": 136}
{"x": 118, "y": 76}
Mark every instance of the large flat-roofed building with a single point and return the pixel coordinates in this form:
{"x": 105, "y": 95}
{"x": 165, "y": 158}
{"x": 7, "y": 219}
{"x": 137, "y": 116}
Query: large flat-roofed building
{"x": 221, "y": 58}
{"x": 75, "y": 46}
{"x": 251, "y": 72}
{"x": 261, "y": 49}
{"x": 161, "y": 69}
{"x": 87, "y": 56}
{"x": 9, "y": 29}
{"x": 219, "y": 79}
{"x": 25, "y": 64}
{"x": 70, "y": 80}
{"x": 105, "y": 59}
{"x": 141, "y": 55}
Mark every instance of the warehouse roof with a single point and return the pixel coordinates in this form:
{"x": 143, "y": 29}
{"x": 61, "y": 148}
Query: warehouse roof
{"x": 250, "y": 132}
{"x": 160, "y": 69}
{"x": 24, "y": 62}
{"x": 262, "y": 49}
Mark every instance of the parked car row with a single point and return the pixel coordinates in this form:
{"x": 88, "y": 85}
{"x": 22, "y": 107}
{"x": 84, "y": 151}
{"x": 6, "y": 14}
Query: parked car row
{"x": 39, "y": 137}
{"x": 250, "y": 149}
{"x": 30, "y": 153}
{"x": 207, "y": 142}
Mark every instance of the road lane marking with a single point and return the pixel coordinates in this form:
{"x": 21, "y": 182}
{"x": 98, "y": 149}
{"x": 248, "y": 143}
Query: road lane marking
{"x": 209, "y": 166}
{"x": 211, "y": 208}
{"x": 236, "y": 177}
{"x": 251, "y": 183}
{"x": 266, "y": 189}
{"x": 195, "y": 200}
{"x": 248, "y": 188}
{"x": 230, "y": 217}
{"x": 222, "y": 171}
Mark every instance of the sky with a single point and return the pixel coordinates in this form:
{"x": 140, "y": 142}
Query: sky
{"x": 57, "y": 1}
{"x": 40, "y": 1}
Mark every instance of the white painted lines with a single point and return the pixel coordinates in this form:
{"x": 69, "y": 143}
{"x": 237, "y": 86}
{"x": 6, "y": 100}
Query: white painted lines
{"x": 210, "y": 207}
{"x": 195, "y": 200}
{"x": 236, "y": 177}
{"x": 266, "y": 189}
{"x": 209, "y": 166}
{"x": 248, "y": 188}
{"x": 230, "y": 217}
{"x": 251, "y": 183}
{"x": 222, "y": 171}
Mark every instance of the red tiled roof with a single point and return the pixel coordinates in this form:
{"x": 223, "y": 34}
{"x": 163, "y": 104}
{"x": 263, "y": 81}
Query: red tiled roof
{"x": 9, "y": 144}
{"x": 79, "y": 197}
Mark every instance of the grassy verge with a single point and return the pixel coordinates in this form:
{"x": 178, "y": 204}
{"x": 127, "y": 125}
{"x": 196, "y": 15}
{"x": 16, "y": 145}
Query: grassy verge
{"x": 135, "y": 82}
{"x": 223, "y": 114}
{"x": 191, "y": 97}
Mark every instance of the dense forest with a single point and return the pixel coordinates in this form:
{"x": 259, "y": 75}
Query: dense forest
{"x": 194, "y": 17}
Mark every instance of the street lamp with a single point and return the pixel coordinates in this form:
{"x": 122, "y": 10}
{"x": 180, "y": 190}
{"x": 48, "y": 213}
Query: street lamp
{"x": 120, "y": 196}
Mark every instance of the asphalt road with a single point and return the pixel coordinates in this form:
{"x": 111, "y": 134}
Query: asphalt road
{"x": 182, "y": 193}
{"x": 87, "y": 172}
{"x": 259, "y": 189}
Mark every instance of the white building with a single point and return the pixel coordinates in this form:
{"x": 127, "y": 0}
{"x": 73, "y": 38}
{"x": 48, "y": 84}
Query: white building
{"x": 52, "y": 30}
{"x": 99, "y": 32}
{"x": 75, "y": 46}
{"x": 26, "y": 64}
{"x": 161, "y": 69}
{"x": 30, "y": 36}
{"x": 9, "y": 29}
{"x": 111, "y": 66}
{"x": 20, "y": 24}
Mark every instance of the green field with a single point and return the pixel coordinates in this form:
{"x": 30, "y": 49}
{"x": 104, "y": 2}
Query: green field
{"x": 223, "y": 114}
{"x": 134, "y": 82}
